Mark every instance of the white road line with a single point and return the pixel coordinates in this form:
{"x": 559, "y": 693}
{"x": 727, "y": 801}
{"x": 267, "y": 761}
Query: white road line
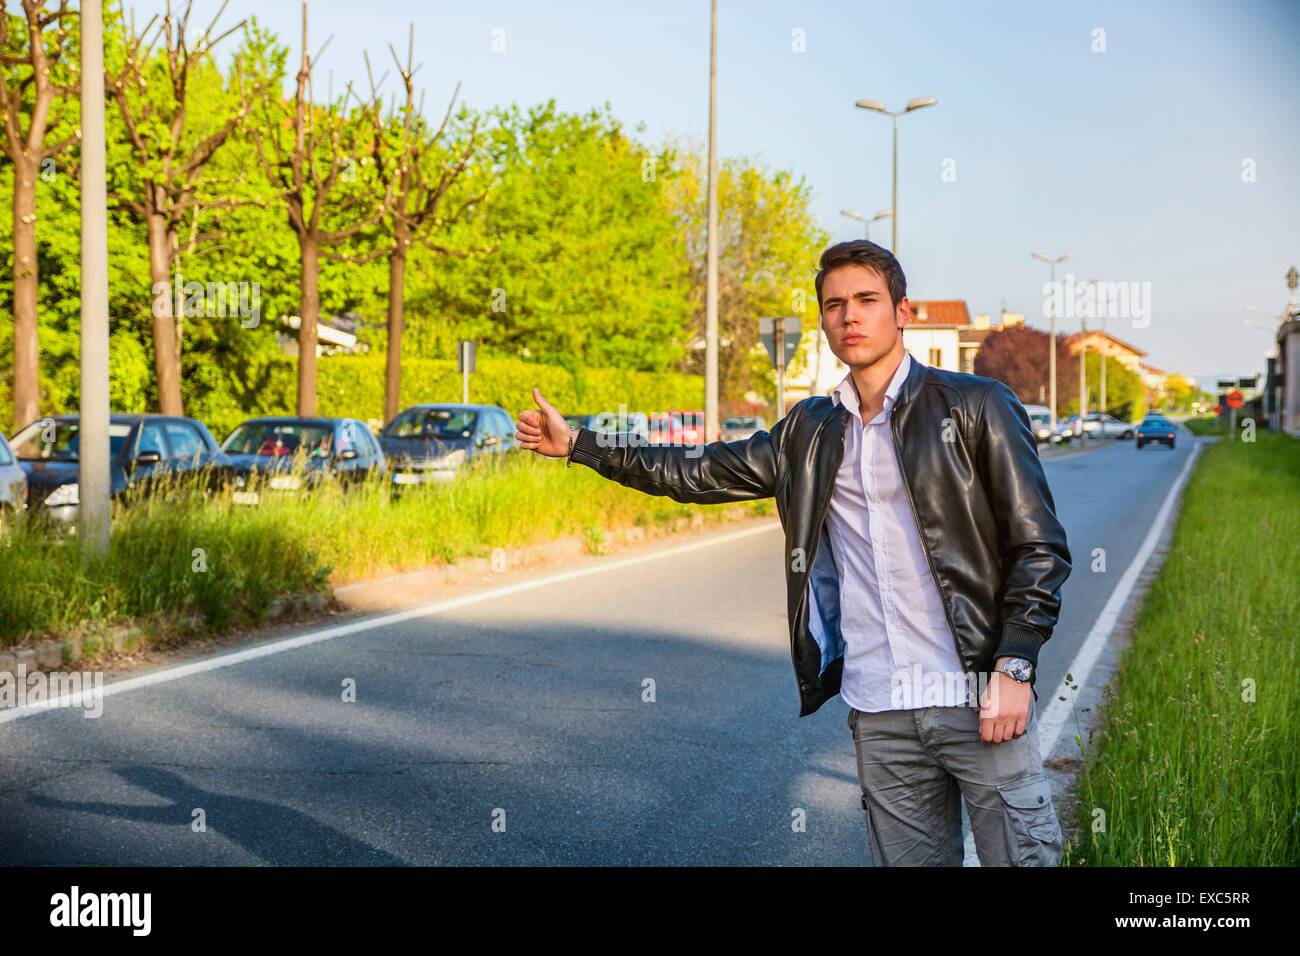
{"x": 1058, "y": 711}
{"x": 179, "y": 672}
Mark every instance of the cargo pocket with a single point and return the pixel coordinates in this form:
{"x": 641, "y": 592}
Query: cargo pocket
{"x": 1032, "y": 830}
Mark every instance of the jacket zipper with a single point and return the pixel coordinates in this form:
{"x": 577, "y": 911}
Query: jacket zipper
{"x": 943, "y": 597}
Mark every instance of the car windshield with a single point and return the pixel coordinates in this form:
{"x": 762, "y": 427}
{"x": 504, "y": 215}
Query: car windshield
{"x": 432, "y": 423}
{"x": 613, "y": 422}
{"x": 734, "y": 423}
{"x": 276, "y": 439}
{"x": 1157, "y": 422}
{"x": 51, "y": 440}
{"x": 1038, "y": 418}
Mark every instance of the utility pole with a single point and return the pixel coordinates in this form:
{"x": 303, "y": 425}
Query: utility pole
{"x": 711, "y": 283}
{"x": 1051, "y": 344}
{"x": 93, "y": 417}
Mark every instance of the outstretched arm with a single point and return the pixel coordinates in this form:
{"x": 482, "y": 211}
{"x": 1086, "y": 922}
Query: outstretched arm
{"x": 710, "y": 474}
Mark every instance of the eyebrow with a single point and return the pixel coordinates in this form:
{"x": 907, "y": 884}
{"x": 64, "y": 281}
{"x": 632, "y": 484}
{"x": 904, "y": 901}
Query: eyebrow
{"x": 861, "y": 294}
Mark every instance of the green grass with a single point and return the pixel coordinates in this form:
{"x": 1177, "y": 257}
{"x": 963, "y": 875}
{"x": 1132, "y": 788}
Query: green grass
{"x": 225, "y": 562}
{"x": 1187, "y": 772}
{"x": 1205, "y": 425}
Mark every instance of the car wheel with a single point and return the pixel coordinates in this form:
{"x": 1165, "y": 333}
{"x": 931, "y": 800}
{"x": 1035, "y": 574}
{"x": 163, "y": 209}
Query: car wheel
{"x": 1139, "y": 444}
{"x": 1171, "y": 444}
{"x": 1127, "y": 435}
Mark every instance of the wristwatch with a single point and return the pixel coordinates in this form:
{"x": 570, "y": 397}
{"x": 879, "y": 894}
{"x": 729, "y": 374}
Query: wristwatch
{"x": 1017, "y": 668}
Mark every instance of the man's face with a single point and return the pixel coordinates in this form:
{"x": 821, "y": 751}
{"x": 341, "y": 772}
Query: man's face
{"x": 861, "y": 324}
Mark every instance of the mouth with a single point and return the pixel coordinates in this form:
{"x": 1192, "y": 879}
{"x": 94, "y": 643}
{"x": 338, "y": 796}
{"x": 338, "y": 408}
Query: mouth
{"x": 854, "y": 339}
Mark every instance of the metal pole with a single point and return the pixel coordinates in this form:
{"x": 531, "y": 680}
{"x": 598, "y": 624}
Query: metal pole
{"x": 1105, "y": 352}
{"x": 464, "y": 364}
{"x": 1083, "y": 376}
{"x": 894, "y": 218}
{"x": 711, "y": 285}
{"x": 778, "y": 339}
{"x": 93, "y": 420}
{"x": 1051, "y": 360}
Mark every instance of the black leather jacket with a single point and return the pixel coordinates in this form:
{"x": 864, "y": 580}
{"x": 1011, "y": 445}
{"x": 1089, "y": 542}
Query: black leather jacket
{"x": 970, "y": 465}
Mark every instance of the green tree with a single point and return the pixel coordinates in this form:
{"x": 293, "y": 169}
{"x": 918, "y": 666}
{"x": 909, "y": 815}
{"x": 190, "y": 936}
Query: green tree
{"x": 585, "y": 271}
{"x": 768, "y": 246}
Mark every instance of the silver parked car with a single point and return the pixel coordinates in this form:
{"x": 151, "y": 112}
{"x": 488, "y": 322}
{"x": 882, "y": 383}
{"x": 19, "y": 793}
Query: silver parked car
{"x": 738, "y": 429}
{"x": 1104, "y": 426}
{"x": 13, "y": 486}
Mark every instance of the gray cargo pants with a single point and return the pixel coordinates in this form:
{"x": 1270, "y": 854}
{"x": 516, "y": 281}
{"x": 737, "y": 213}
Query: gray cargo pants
{"x": 915, "y": 766}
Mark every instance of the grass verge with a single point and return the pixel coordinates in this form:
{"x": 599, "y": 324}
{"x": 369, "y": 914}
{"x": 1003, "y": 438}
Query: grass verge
{"x": 225, "y": 562}
{"x": 1200, "y": 741}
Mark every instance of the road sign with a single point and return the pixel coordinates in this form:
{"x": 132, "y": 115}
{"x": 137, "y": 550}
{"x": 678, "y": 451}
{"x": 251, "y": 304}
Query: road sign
{"x": 1218, "y": 409}
{"x": 788, "y": 328}
{"x": 1247, "y": 382}
{"x": 1235, "y": 400}
{"x": 1227, "y": 383}
{"x": 780, "y": 336}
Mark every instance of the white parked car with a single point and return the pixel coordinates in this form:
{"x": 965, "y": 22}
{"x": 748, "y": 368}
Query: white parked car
{"x": 1040, "y": 419}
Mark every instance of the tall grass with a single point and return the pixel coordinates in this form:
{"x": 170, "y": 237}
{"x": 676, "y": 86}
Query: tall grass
{"x": 226, "y": 562}
{"x": 1199, "y": 759}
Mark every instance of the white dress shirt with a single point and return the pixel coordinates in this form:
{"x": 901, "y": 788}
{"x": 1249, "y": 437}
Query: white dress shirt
{"x": 899, "y": 651}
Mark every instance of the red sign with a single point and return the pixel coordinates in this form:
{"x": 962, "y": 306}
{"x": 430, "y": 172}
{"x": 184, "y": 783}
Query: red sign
{"x": 1218, "y": 409}
{"x": 1235, "y": 400}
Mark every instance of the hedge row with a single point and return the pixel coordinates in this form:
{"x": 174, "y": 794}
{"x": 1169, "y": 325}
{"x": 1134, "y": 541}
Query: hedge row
{"x": 353, "y": 386}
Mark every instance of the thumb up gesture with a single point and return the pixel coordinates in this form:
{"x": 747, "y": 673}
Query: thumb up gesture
{"x": 545, "y": 431}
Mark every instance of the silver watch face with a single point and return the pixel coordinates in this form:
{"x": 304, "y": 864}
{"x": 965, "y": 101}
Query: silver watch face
{"x": 1017, "y": 668}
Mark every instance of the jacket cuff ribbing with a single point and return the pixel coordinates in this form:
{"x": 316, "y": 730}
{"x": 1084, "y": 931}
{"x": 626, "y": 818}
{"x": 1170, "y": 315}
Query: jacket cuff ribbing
{"x": 586, "y": 450}
{"x": 1020, "y": 641}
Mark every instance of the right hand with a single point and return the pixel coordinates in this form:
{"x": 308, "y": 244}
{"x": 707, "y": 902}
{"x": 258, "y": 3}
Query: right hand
{"x": 545, "y": 432}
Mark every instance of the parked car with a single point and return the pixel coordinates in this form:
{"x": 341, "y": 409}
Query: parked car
{"x": 1098, "y": 425}
{"x": 666, "y": 430}
{"x": 144, "y": 450}
{"x": 286, "y": 453}
{"x": 1040, "y": 419}
{"x": 631, "y": 423}
{"x": 434, "y": 442}
{"x": 13, "y": 486}
{"x": 738, "y": 429}
{"x": 692, "y": 426}
{"x": 1155, "y": 428}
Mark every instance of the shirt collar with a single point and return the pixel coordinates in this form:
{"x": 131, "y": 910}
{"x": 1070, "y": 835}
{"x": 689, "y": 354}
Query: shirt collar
{"x": 846, "y": 393}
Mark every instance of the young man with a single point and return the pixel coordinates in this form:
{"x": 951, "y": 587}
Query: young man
{"x": 923, "y": 573}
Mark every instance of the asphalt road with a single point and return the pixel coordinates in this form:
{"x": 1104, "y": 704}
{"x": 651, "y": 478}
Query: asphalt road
{"x": 527, "y": 709}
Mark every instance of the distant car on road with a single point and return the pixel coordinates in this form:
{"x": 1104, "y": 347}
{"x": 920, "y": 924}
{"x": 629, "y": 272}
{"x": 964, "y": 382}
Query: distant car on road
{"x": 1040, "y": 419}
{"x": 286, "y": 453}
{"x": 144, "y": 450}
{"x": 1155, "y": 428}
{"x": 631, "y": 423}
{"x": 740, "y": 428}
{"x": 13, "y": 486}
{"x": 428, "y": 443}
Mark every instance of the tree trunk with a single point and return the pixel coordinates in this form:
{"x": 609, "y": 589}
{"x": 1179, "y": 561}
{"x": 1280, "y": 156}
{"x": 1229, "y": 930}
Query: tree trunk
{"x": 310, "y": 315}
{"x": 164, "y": 320}
{"x": 396, "y": 306}
{"x": 27, "y": 366}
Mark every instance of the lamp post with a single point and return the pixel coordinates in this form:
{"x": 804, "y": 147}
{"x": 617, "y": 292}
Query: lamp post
{"x": 1051, "y": 344}
{"x": 884, "y": 213}
{"x": 919, "y": 103}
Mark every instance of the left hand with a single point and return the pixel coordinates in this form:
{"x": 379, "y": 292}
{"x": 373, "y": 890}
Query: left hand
{"x": 1004, "y": 709}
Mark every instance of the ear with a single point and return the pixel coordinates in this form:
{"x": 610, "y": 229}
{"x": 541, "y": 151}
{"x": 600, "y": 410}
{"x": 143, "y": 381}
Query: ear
{"x": 904, "y": 314}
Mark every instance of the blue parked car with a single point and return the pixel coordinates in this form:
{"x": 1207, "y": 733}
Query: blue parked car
{"x": 430, "y": 443}
{"x": 144, "y": 450}
{"x": 287, "y": 453}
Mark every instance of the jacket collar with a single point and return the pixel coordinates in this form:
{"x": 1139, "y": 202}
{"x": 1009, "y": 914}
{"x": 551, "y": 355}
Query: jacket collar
{"x": 846, "y": 393}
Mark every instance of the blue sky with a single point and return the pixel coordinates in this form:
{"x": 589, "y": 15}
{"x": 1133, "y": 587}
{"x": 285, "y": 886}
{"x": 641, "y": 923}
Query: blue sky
{"x": 1131, "y": 158}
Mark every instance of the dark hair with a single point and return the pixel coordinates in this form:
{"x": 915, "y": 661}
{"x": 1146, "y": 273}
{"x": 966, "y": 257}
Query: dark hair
{"x": 861, "y": 252}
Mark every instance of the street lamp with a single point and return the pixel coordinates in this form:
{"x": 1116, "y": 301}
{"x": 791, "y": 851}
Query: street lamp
{"x": 1051, "y": 345}
{"x": 884, "y": 213}
{"x": 919, "y": 103}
